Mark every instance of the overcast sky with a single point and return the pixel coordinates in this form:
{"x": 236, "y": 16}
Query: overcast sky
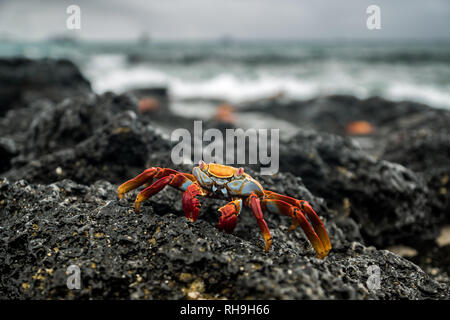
{"x": 240, "y": 19}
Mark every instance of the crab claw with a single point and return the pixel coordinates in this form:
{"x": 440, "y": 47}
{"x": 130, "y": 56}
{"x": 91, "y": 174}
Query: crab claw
{"x": 227, "y": 222}
{"x": 229, "y": 213}
{"x": 191, "y": 205}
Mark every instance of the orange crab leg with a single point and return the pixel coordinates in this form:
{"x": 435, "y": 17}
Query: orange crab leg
{"x": 255, "y": 205}
{"x": 297, "y": 209}
{"x": 317, "y": 224}
{"x": 177, "y": 180}
{"x": 145, "y": 177}
{"x": 229, "y": 214}
{"x": 306, "y": 208}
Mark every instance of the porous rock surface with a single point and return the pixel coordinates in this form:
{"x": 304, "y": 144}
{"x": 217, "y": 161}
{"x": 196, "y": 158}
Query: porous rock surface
{"x": 23, "y": 81}
{"x": 388, "y": 200}
{"x": 64, "y": 152}
{"x": 159, "y": 254}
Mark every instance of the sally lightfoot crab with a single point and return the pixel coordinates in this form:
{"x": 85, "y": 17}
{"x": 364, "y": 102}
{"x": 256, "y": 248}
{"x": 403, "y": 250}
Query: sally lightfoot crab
{"x": 237, "y": 187}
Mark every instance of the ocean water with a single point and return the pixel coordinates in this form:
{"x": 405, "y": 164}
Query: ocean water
{"x": 241, "y": 71}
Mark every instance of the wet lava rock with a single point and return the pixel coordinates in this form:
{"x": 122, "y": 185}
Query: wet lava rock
{"x": 158, "y": 254}
{"x": 64, "y": 150}
{"x": 23, "y": 81}
{"x": 388, "y": 200}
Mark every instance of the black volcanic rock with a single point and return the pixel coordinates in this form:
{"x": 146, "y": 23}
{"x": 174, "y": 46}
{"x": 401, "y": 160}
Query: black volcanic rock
{"x": 387, "y": 200}
{"x": 23, "y": 81}
{"x": 16, "y": 122}
{"x": 333, "y": 113}
{"x": 73, "y": 120}
{"x": 64, "y": 150}
{"x": 114, "y": 152}
{"x": 422, "y": 144}
{"x": 158, "y": 254}
{"x": 8, "y": 150}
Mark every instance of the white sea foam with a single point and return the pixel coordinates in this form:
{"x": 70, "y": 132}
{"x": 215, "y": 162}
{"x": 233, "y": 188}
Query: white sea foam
{"x": 420, "y": 93}
{"x": 229, "y": 87}
{"x": 113, "y": 73}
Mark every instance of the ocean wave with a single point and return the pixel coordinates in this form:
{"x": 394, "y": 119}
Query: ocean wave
{"x": 303, "y": 81}
{"x": 420, "y": 93}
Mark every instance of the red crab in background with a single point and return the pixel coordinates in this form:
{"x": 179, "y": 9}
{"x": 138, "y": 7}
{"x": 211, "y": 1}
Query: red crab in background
{"x": 237, "y": 187}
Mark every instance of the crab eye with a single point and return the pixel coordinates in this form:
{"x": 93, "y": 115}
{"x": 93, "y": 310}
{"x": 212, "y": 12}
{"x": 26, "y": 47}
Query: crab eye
{"x": 202, "y": 165}
{"x": 240, "y": 171}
